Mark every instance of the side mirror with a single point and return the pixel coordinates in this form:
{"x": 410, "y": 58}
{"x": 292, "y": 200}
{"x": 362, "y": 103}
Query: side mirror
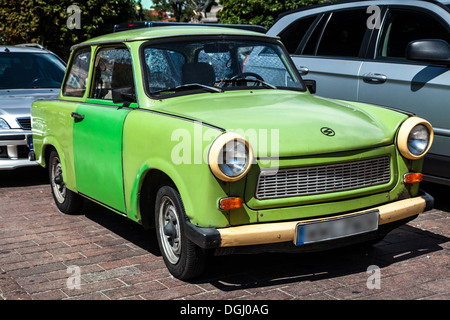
{"x": 126, "y": 94}
{"x": 310, "y": 85}
{"x": 429, "y": 50}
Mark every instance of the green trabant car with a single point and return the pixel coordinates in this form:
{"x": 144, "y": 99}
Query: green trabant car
{"x": 210, "y": 136}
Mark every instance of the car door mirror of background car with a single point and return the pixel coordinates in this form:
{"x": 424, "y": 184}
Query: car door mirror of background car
{"x": 429, "y": 50}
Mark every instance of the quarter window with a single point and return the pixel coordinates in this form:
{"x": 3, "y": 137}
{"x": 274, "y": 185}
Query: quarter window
{"x": 76, "y": 82}
{"x": 404, "y": 26}
{"x": 113, "y": 74}
{"x": 343, "y": 34}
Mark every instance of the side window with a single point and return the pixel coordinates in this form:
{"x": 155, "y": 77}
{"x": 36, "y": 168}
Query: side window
{"x": 294, "y": 33}
{"x": 404, "y": 26}
{"x": 310, "y": 47}
{"x": 113, "y": 74}
{"x": 76, "y": 82}
{"x": 343, "y": 34}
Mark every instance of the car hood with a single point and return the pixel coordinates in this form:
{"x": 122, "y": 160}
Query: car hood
{"x": 291, "y": 123}
{"x": 17, "y": 102}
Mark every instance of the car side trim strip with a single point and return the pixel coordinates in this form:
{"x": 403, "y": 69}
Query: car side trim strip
{"x": 181, "y": 117}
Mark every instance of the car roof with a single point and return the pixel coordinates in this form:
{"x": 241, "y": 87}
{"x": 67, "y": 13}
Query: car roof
{"x": 337, "y": 3}
{"x": 169, "y": 31}
{"x": 24, "y": 49}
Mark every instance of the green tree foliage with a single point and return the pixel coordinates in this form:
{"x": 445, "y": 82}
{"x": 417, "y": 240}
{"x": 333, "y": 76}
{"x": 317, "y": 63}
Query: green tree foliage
{"x": 260, "y": 12}
{"x": 183, "y": 10}
{"x": 45, "y": 21}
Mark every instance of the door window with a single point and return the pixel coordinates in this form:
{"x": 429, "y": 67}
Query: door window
{"x": 311, "y": 44}
{"x": 343, "y": 34}
{"x": 294, "y": 33}
{"x": 76, "y": 82}
{"x": 404, "y": 26}
{"x": 113, "y": 74}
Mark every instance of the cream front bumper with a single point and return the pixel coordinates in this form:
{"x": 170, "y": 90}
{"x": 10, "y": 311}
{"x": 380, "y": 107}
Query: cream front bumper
{"x": 277, "y": 232}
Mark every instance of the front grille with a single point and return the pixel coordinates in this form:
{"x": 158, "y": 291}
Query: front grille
{"x": 24, "y": 123}
{"x": 323, "y": 179}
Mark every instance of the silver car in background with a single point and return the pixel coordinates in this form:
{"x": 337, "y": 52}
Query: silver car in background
{"x": 27, "y": 73}
{"x": 391, "y": 53}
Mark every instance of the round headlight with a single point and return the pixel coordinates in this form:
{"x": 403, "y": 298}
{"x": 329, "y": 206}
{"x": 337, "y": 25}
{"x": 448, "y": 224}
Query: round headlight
{"x": 415, "y": 138}
{"x": 230, "y": 157}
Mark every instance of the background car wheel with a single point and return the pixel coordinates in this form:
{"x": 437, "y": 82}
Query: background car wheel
{"x": 182, "y": 257}
{"x": 66, "y": 200}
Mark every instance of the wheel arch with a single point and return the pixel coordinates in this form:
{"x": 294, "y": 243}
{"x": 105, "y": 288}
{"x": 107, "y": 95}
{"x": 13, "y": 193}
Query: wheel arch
{"x": 67, "y": 164}
{"x": 152, "y": 181}
{"x": 46, "y": 151}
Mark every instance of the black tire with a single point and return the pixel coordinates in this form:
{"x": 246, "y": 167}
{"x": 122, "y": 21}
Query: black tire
{"x": 67, "y": 201}
{"x": 183, "y": 258}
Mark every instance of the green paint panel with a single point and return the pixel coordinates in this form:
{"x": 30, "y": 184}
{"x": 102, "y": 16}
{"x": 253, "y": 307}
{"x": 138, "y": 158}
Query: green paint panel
{"x": 52, "y": 127}
{"x": 292, "y": 120}
{"x": 98, "y": 153}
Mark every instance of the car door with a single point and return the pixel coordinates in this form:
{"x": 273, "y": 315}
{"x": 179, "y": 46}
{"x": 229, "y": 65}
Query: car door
{"x": 331, "y": 52}
{"x": 98, "y": 124}
{"x": 419, "y": 87}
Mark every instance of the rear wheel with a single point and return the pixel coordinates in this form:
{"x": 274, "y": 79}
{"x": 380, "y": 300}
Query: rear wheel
{"x": 67, "y": 201}
{"x": 182, "y": 257}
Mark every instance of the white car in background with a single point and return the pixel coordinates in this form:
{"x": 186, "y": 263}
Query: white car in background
{"x": 391, "y": 53}
{"x": 27, "y": 73}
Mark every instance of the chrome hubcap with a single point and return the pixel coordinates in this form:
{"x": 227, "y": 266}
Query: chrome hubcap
{"x": 169, "y": 230}
{"x": 58, "y": 185}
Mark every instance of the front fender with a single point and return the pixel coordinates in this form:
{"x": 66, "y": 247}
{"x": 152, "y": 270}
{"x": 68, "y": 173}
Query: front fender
{"x": 176, "y": 147}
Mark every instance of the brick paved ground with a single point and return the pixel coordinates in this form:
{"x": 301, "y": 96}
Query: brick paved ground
{"x": 118, "y": 260}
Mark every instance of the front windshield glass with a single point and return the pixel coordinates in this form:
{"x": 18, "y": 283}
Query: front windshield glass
{"x": 20, "y": 70}
{"x": 215, "y": 66}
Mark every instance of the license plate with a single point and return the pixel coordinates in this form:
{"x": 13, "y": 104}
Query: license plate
{"x": 30, "y": 142}
{"x": 330, "y": 229}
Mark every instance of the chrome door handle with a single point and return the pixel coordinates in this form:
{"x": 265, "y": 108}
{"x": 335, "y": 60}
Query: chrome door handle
{"x": 374, "y": 78}
{"x": 303, "y": 70}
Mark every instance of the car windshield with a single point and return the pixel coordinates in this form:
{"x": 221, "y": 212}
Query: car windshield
{"x": 20, "y": 70}
{"x": 215, "y": 66}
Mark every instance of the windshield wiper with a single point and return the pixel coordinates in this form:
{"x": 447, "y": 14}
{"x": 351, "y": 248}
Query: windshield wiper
{"x": 268, "y": 85}
{"x": 188, "y": 86}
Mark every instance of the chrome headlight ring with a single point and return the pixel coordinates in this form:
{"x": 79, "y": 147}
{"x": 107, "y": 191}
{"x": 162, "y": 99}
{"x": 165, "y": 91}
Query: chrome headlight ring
{"x": 415, "y": 138}
{"x": 230, "y": 157}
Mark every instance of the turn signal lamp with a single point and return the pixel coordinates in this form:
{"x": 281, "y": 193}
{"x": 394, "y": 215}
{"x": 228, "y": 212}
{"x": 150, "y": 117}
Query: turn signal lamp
{"x": 412, "y": 177}
{"x": 230, "y": 203}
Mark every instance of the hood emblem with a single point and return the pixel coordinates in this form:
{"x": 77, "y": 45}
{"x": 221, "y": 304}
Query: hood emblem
{"x": 327, "y": 131}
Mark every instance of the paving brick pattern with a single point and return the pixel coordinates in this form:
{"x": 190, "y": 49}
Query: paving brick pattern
{"x": 41, "y": 250}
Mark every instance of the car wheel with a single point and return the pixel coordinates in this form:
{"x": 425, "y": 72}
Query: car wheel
{"x": 182, "y": 257}
{"x": 67, "y": 201}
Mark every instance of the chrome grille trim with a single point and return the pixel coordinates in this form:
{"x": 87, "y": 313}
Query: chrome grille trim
{"x": 24, "y": 123}
{"x": 323, "y": 179}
